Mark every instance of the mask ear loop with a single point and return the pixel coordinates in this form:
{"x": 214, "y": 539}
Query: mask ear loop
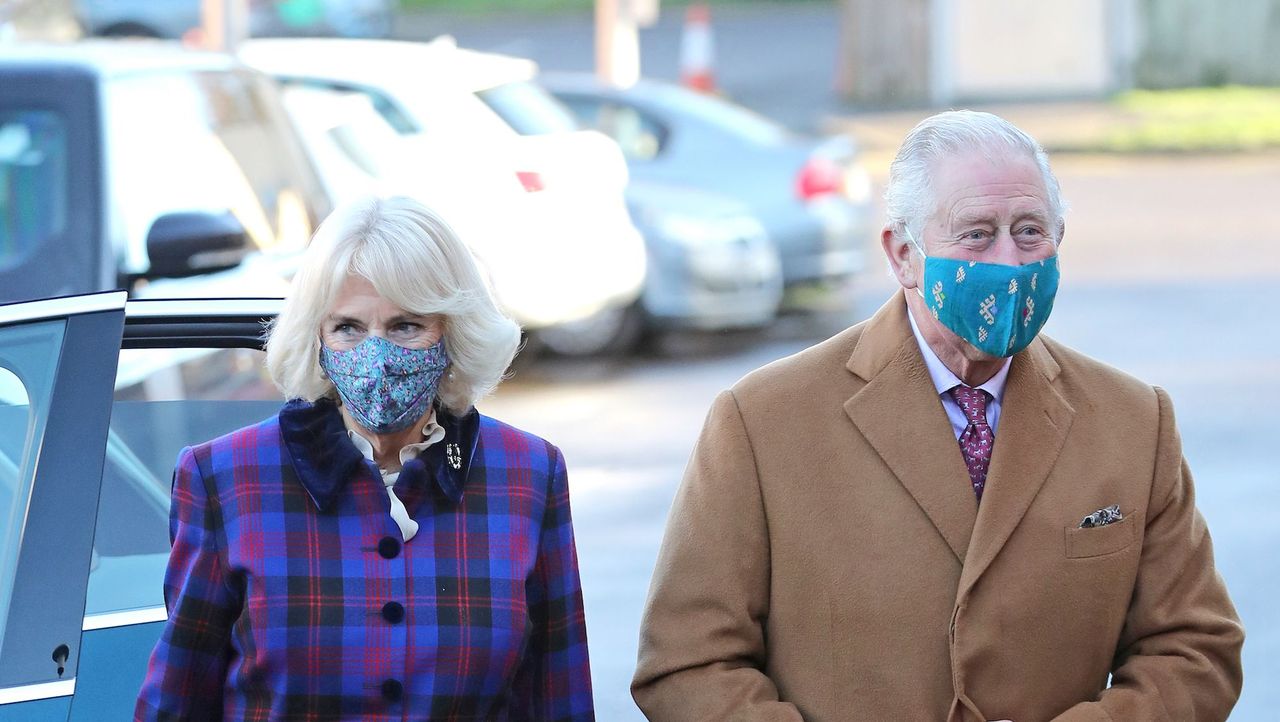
{"x": 923, "y": 257}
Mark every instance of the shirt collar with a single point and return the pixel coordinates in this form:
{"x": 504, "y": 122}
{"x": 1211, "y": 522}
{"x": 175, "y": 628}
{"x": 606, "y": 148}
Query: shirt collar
{"x": 944, "y": 379}
{"x": 431, "y": 433}
{"x": 324, "y": 457}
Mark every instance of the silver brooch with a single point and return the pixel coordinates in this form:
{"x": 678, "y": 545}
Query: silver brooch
{"x": 454, "y": 454}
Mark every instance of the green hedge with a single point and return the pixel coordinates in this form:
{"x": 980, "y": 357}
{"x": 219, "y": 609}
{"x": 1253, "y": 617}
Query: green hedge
{"x": 1229, "y": 118}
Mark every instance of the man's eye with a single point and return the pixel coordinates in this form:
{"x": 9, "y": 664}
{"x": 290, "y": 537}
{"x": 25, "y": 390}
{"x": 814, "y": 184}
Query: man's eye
{"x": 974, "y": 235}
{"x": 1031, "y": 232}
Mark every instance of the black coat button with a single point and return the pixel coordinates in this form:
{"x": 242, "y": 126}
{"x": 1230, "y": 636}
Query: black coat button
{"x": 393, "y": 612}
{"x": 389, "y": 547}
{"x": 392, "y": 689}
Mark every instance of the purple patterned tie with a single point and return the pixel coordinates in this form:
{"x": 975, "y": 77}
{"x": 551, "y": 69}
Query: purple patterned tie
{"x": 977, "y": 439}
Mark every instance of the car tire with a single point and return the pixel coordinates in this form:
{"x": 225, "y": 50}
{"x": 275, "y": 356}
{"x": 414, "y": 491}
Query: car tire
{"x": 613, "y": 331}
{"x": 128, "y": 30}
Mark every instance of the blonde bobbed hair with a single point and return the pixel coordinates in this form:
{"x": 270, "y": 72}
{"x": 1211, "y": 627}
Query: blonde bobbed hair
{"x": 413, "y": 259}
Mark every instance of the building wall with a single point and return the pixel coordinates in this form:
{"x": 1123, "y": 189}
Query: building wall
{"x": 996, "y": 49}
{"x": 1201, "y": 42}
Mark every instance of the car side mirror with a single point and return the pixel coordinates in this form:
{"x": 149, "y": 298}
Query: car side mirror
{"x": 194, "y": 242}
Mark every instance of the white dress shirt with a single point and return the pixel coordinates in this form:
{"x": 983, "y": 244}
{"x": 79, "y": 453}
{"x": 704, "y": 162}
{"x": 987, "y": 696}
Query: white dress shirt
{"x": 431, "y": 433}
{"x": 944, "y": 380}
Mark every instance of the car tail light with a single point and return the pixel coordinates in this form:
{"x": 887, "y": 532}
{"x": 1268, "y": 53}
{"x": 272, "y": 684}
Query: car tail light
{"x": 819, "y": 177}
{"x": 531, "y": 180}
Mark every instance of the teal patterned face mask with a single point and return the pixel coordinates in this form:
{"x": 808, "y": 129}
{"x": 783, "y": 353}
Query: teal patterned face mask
{"x": 386, "y": 387}
{"x": 997, "y": 308}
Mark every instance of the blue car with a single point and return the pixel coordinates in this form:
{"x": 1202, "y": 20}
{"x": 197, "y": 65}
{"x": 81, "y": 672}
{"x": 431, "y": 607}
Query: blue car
{"x": 812, "y": 195}
{"x": 97, "y": 396}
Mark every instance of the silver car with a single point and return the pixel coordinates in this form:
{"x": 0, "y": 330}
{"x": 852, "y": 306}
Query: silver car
{"x": 812, "y": 194}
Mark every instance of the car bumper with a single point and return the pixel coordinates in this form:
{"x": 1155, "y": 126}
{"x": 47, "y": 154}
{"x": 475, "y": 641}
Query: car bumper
{"x": 570, "y": 273}
{"x": 826, "y": 242}
{"x": 730, "y": 285}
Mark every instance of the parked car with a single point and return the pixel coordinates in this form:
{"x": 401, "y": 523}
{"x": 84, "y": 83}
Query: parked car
{"x": 812, "y": 195}
{"x": 135, "y": 164}
{"x": 97, "y": 396}
{"x": 173, "y": 19}
{"x": 438, "y": 95}
{"x": 711, "y": 267}
{"x": 530, "y": 261}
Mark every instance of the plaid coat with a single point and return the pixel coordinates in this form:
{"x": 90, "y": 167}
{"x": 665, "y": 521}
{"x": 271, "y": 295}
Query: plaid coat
{"x": 291, "y": 594}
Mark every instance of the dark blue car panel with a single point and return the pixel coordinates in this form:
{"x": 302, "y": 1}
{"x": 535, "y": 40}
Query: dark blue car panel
{"x": 114, "y": 663}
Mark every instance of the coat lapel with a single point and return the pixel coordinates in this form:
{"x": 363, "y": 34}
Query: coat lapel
{"x": 899, "y": 413}
{"x": 1033, "y": 426}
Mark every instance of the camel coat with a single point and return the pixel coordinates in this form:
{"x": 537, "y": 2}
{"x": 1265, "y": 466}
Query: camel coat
{"x": 826, "y": 558}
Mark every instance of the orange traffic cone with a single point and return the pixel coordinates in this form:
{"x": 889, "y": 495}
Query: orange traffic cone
{"x": 697, "y": 49}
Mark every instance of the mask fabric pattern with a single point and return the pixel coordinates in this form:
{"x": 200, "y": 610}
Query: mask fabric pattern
{"x": 385, "y": 387}
{"x": 997, "y": 308}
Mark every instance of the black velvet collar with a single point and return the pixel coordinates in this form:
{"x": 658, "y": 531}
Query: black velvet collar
{"x": 325, "y": 459}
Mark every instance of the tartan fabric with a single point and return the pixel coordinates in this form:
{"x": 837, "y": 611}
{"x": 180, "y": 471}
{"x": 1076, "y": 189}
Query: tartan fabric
{"x": 295, "y": 598}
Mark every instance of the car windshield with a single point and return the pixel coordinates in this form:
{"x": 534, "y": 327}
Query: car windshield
{"x": 727, "y": 117}
{"x": 210, "y": 146}
{"x": 529, "y": 109}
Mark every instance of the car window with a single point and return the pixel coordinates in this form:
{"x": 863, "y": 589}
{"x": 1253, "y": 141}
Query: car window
{"x": 165, "y": 399}
{"x": 28, "y": 365}
{"x": 639, "y": 135}
{"x": 395, "y": 116}
{"x": 33, "y": 181}
{"x": 724, "y": 116}
{"x": 213, "y": 144}
{"x": 529, "y": 108}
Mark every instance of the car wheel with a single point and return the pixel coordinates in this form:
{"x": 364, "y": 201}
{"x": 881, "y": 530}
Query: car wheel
{"x": 610, "y": 332}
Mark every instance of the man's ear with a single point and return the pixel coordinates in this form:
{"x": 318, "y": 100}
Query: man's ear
{"x": 899, "y": 252}
{"x": 1062, "y": 231}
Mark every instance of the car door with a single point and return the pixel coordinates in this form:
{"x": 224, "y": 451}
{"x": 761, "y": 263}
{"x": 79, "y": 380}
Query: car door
{"x": 57, "y": 371}
{"x": 188, "y": 371}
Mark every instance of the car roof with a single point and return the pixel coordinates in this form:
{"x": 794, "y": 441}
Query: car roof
{"x": 386, "y": 62}
{"x": 200, "y": 322}
{"x": 112, "y": 57}
{"x": 588, "y": 83}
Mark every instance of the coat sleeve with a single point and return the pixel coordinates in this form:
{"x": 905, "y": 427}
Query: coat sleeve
{"x": 554, "y": 680}
{"x": 188, "y": 668}
{"x": 702, "y": 647}
{"x": 1179, "y": 652}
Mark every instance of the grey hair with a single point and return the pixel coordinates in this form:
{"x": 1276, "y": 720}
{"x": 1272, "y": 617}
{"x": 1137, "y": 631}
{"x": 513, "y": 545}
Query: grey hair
{"x": 909, "y": 199}
{"x": 413, "y": 259}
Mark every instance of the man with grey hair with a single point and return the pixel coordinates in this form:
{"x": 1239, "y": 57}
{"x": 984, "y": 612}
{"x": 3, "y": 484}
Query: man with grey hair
{"x": 939, "y": 513}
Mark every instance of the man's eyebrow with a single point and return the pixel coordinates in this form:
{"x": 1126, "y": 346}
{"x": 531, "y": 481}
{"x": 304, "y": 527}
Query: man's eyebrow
{"x": 971, "y": 217}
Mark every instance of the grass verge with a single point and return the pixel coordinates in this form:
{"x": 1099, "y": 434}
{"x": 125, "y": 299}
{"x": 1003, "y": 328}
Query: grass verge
{"x": 1193, "y": 120}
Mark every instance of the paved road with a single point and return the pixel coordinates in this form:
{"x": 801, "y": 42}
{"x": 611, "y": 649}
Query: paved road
{"x": 1169, "y": 272}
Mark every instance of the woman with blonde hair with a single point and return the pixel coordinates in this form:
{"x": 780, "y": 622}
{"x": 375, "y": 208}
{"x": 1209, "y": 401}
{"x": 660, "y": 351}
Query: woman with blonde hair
{"x": 379, "y": 549}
